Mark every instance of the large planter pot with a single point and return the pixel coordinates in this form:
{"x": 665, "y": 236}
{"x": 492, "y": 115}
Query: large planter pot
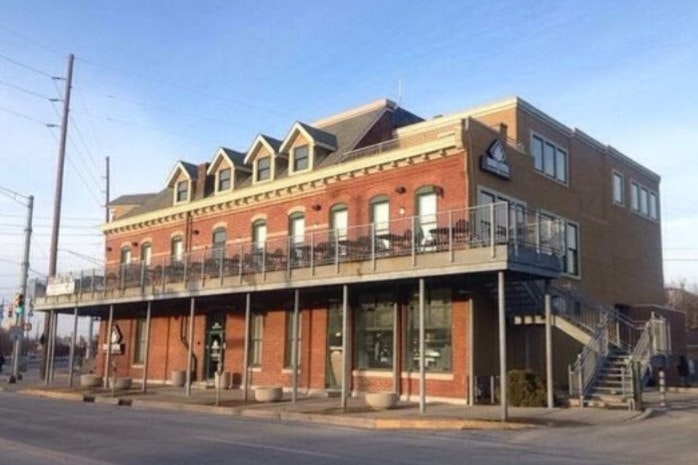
{"x": 268, "y": 394}
{"x": 90, "y": 381}
{"x": 381, "y": 400}
{"x": 223, "y": 380}
{"x": 123, "y": 383}
{"x": 179, "y": 377}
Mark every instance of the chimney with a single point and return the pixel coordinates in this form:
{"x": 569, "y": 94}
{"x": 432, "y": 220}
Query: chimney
{"x": 201, "y": 181}
{"x": 503, "y": 129}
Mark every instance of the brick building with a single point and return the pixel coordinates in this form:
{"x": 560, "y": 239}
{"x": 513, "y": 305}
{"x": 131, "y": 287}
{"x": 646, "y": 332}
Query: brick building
{"x": 377, "y": 251}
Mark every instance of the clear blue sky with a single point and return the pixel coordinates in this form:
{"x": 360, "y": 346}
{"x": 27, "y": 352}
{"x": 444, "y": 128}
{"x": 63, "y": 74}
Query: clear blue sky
{"x": 158, "y": 81}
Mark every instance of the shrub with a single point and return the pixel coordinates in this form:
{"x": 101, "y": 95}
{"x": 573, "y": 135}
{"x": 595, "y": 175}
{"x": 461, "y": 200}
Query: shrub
{"x": 526, "y": 389}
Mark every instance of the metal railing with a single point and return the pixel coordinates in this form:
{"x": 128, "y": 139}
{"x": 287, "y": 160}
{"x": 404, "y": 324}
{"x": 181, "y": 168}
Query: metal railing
{"x": 488, "y": 226}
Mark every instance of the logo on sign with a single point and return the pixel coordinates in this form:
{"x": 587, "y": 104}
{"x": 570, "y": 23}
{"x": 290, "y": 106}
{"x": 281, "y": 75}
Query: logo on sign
{"x": 495, "y": 161}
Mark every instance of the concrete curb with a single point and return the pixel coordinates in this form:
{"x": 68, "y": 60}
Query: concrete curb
{"x": 317, "y": 418}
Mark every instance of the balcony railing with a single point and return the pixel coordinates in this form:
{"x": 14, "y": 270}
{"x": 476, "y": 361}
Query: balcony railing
{"x": 484, "y": 227}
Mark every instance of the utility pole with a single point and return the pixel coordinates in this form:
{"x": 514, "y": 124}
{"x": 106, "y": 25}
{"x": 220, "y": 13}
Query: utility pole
{"x": 58, "y": 196}
{"x": 20, "y": 312}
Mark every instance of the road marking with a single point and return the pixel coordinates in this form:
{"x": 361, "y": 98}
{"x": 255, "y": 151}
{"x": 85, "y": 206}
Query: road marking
{"x": 273, "y": 448}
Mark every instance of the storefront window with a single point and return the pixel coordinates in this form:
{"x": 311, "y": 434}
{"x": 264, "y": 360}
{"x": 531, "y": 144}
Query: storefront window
{"x": 437, "y": 331}
{"x": 374, "y": 324}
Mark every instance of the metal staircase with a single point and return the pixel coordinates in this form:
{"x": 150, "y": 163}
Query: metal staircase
{"x": 617, "y": 350}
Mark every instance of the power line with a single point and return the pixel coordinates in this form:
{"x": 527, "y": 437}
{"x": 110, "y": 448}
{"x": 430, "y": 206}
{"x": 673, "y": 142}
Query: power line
{"x": 24, "y": 90}
{"x": 26, "y": 66}
{"x": 21, "y": 115}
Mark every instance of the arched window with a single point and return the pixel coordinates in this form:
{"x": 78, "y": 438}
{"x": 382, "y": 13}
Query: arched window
{"x": 177, "y": 249}
{"x": 146, "y": 253}
{"x": 218, "y": 241}
{"x": 259, "y": 234}
{"x": 380, "y": 219}
{"x": 339, "y": 221}
{"x": 426, "y": 209}
{"x": 125, "y": 255}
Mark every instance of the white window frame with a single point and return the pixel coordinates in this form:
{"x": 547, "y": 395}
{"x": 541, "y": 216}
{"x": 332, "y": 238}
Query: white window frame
{"x": 634, "y": 196}
{"x": 257, "y": 170}
{"x": 187, "y": 191}
{"x": 218, "y": 180}
{"x": 308, "y": 148}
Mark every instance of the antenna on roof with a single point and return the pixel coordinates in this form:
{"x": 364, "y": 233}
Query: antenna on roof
{"x": 399, "y": 91}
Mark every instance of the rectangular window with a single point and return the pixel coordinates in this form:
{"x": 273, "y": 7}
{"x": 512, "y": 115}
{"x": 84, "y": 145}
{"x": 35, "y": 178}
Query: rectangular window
{"x": 654, "y": 207}
{"x": 289, "y": 340}
{"x": 437, "y": 332}
{"x": 182, "y": 191}
{"x": 264, "y": 169}
{"x": 537, "y": 150}
{"x": 177, "y": 249}
{"x": 644, "y": 201}
{"x": 141, "y": 334}
{"x": 256, "y": 329}
{"x": 571, "y": 265}
{"x": 224, "y": 179}
{"x": 374, "y": 322}
{"x": 125, "y": 257}
{"x": 618, "y": 188}
{"x": 549, "y": 159}
{"x": 635, "y": 197}
{"x": 300, "y": 158}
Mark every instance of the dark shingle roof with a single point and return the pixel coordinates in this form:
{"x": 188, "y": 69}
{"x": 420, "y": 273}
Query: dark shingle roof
{"x": 238, "y": 158}
{"x": 132, "y": 199}
{"x": 191, "y": 169}
{"x": 162, "y": 199}
{"x": 320, "y": 136}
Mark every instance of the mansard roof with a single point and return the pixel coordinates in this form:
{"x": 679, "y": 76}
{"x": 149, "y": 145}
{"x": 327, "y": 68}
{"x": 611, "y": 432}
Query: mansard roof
{"x": 318, "y": 136}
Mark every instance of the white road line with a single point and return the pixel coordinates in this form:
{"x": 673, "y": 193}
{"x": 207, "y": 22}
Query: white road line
{"x": 10, "y": 448}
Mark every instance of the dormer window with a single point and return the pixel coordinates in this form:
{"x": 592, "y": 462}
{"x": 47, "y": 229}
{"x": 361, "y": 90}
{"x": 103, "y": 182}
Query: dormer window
{"x": 224, "y": 180}
{"x": 301, "y": 158}
{"x": 264, "y": 169}
{"x": 182, "y": 191}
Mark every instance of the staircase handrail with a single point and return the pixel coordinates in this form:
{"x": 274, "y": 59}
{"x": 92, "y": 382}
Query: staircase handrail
{"x": 585, "y": 369}
{"x": 652, "y": 341}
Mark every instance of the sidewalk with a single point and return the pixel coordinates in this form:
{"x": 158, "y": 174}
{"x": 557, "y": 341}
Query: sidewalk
{"x": 324, "y": 410}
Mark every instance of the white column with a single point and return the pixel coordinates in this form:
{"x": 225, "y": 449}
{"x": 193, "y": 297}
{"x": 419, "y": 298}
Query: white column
{"x": 146, "y": 348}
{"x": 190, "y": 348}
{"x": 502, "y": 347}
{"x": 422, "y": 367}
{"x": 346, "y": 378}
{"x": 549, "y": 345}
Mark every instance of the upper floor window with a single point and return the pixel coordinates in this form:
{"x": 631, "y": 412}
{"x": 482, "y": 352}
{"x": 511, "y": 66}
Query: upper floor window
{"x": 339, "y": 220}
{"x": 218, "y": 242}
{"x": 301, "y": 158}
{"x": 146, "y": 253}
{"x": 264, "y": 169}
{"x": 177, "y": 249}
{"x": 259, "y": 233}
{"x": 654, "y": 207}
{"x": 125, "y": 257}
{"x": 618, "y": 188}
{"x": 182, "y": 191}
{"x": 224, "y": 180}
{"x": 549, "y": 158}
{"x": 644, "y": 201}
{"x": 634, "y": 196}
{"x": 571, "y": 258}
{"x": 296, "y": 228}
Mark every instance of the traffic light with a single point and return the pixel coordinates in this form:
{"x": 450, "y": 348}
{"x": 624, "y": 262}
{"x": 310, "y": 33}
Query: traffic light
{"x": 19, "y": 304}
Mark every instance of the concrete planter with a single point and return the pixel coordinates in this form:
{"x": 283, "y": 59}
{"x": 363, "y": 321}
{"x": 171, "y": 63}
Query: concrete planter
{"x": 382, "y": 400}
{"x": 90, "y": 381}
{"x": 223, "y": 380}
{"x": 179, "y": 377}
{"x": 268, "y": 394}
{"x": 123, "y": 383}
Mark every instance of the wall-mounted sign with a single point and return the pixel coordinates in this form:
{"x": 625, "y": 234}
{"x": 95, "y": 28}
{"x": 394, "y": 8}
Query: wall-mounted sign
{"x": 60, "y": 285}
{"x": 495, "y": 161}
{"x": 115, "y": 338}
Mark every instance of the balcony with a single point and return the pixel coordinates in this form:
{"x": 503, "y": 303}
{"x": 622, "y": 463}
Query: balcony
{"x": 477, "y": 239}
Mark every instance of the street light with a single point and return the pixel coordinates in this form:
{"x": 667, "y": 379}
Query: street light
{"x": 18, "y": 330}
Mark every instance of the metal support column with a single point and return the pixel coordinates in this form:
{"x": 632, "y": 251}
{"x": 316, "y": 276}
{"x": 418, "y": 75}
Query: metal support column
{"x": 52, "y": 360}
{"x": 346, "y": 379}
{"x": 549, "y": 345}
{"x": 107, "y": 362}
{"x": 246, "y": 351}
{"x": 71, "y": 362}
{"x": 146, "y": 349}
{"x": 190, "y": 346}
{"x": 422, "y": 367}
{"x": 395, "y": 354}
{"x": 503, "y": 396}
{"x": 48, "y": 320}
{"x": 294, "y": 346}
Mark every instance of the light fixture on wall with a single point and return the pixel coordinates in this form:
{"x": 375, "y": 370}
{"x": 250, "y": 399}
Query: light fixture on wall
{"x": 316, "y": 207}
{"x": 438, "y": 190}
{"x": 196, "y": 232}
{"x": 401, "y": 211}
{"x": 109, "y": 249}
{"x": 134, "y": 243}
{"x": 400, "y": 189}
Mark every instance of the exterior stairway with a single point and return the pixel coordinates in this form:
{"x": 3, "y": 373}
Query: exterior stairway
{"x": 602, "y": 375}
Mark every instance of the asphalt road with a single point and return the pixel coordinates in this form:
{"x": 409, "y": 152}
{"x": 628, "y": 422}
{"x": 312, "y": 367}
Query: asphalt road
{"x": 46, "y": 431}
